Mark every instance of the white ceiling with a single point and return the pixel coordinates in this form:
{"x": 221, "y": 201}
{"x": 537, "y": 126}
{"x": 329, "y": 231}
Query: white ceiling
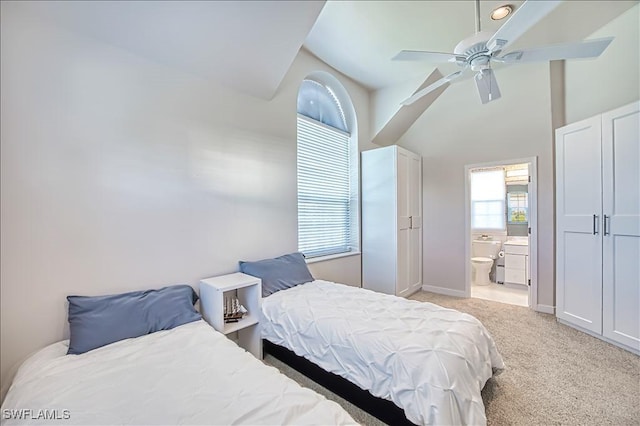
{"x": 247, "y": 45}
{"x": 250, "y": 45}
{"x": 359, "y": 38}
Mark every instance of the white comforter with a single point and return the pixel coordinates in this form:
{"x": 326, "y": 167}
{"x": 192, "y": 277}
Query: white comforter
{"x": 430, "y": 361}
{"x": 188, "y": 375}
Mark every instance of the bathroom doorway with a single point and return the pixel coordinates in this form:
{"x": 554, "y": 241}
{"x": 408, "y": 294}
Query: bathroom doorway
{"x": 501, "y": 231}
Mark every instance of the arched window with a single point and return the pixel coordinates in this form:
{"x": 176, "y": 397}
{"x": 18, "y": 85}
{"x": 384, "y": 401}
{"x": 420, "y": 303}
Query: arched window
{"x": 327, "y": 170}
{"x": 318, "y": 102}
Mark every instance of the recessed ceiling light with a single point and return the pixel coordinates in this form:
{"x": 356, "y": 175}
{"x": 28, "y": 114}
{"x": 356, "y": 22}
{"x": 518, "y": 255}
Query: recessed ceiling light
{"x": 501, "y": 12}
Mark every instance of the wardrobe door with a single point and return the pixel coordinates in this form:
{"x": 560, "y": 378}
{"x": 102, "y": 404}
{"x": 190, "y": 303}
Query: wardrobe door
{"x": 404, "y": 223}
{"x": 415, "y": 234}
{"x": 621, "y": 227}
{"x": 578, "y": 225}
{"x": 379, "y": 220}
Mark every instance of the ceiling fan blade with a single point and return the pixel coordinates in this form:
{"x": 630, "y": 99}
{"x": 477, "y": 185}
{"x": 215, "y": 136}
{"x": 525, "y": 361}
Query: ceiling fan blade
{"x": 487, "y": 86}
{"x": 421, "y": 55}
{"x": 431, "y": 88}
{"x": 526, "y": 16}
{"x": 584, "y": 49}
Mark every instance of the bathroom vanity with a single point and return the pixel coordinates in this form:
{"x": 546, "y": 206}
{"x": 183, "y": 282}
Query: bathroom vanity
{"x": 516, "y": 263}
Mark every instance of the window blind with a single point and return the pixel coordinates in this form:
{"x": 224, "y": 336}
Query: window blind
{"x": 488, "y": 200}
{"x": 323, "y": 189}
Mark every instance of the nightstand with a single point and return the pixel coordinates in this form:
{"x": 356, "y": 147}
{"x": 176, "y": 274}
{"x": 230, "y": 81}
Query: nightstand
{"x": 248, "y": 290}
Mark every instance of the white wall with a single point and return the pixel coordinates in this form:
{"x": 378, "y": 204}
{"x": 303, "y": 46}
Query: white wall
{"x": 344, "y": 270}
{"x": 593, "y": 87}
{"x": 457, "y": 130}
{"x": 121, "y": 174}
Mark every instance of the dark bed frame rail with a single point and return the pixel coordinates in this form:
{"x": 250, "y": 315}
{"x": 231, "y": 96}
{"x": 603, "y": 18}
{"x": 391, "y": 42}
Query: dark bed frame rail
{"x": 382, "y": 409}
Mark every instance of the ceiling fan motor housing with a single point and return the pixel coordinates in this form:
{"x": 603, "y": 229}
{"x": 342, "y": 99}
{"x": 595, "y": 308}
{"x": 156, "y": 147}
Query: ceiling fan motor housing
{"x": 474, "y": 48}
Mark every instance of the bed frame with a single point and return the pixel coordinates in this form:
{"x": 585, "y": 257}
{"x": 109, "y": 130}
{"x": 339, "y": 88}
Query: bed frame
{"x": 382, "y": 409}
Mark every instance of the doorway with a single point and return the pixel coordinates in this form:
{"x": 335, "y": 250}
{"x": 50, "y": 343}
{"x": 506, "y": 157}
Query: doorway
{"x": 507, "y": 222}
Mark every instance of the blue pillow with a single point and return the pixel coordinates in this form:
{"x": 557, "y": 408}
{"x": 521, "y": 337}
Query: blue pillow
{"x": 101, "y": 320}
{"x": 279, "y": 273}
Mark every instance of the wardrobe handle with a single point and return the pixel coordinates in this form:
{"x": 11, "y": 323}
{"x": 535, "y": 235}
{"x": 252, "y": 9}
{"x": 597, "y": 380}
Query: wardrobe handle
{"x": 604, "y": 222}
{"x": 595, "y": 220}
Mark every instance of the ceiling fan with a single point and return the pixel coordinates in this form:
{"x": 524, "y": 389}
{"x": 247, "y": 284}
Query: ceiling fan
{"x": 479, "y": 50}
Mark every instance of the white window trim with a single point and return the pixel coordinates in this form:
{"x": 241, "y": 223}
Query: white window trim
{"x": 332, "y": 256}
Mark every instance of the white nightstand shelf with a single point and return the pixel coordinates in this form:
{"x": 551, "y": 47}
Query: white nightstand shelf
{"x": 247, "y": 321}
{"x": 248, "y": 290}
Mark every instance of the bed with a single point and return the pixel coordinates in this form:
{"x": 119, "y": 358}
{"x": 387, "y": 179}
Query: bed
{"x": 430, "y": 361}
{"x": 189, "y": 374}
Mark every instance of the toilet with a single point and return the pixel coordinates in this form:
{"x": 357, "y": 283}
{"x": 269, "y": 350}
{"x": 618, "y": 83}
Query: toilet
{"x": 484, "y": 252}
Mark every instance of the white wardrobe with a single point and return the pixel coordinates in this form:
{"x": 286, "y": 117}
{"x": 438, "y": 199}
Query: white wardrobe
{"x": 392, "y": 220}
{"x": 598, "y": 226}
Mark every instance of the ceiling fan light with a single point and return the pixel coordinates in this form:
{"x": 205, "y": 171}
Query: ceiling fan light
{"x": 501, "y": 12}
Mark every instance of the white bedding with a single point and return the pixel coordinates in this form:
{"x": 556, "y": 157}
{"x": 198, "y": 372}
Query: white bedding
{"x": 188, "y": 375}
{"x": 430, "y": 361}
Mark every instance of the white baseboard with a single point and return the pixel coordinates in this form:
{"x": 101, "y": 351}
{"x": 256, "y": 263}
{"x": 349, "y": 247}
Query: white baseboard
{"x": 546, "y": 309}
{"x": 600, "y": 336}
{"x": 444, "y": 290}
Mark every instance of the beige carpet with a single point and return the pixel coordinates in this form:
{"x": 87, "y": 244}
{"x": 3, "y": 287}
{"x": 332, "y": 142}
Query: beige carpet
{"x": 555, "y": 375}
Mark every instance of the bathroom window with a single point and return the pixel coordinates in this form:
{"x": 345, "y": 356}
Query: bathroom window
{"x": 488, "y": 200}
{"x": 518, "y": 208}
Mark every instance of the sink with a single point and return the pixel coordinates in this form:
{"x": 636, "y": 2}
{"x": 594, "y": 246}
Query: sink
{"x": 518, "y": 241}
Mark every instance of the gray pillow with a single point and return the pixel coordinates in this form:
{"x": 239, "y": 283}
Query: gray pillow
{"x": 100, "y": 320}
{"x": 280, "y": 273}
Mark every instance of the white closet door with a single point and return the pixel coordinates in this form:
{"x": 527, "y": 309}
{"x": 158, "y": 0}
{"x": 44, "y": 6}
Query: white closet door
{"x": 415, "y": 234}
{"x": 578, "y": 230}
{"x": 404, "y": 223}
{"x": 379, "y": 220}
{"x": 621, "y": 232}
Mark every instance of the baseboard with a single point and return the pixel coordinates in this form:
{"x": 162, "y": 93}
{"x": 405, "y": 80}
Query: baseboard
{"x": 546, "y": 309}
{"x": 600, "y": 336}
{"x": 444, "y": 290}
{"x": 516, "y": 286}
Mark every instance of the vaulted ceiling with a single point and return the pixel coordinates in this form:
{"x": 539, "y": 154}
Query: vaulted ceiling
{"x": 246, "y": 45}
{"x": 359, "y": 38}
{"x": 250, "y": 45}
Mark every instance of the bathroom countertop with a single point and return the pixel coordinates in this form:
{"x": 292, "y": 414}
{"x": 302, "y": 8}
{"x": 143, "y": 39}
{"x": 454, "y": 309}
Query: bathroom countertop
{"x": 518, "y": 242}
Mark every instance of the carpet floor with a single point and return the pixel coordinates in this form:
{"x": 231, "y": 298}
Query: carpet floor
{"x": 555, "y": 375}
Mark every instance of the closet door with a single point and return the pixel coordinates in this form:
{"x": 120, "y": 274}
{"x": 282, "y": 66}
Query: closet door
{"x": 379, "y": 220}
{"x": 404, "y": 223}
{"x": 578, "y": 227}
{"x": 415, "y": 233}
{"x": 621, "y": 229}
